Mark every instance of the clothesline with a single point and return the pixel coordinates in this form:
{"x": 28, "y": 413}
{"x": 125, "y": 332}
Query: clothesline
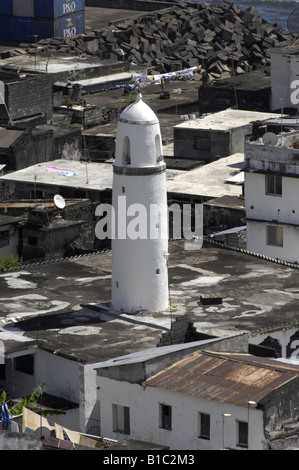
{"x": 143, "y": 81}
{"x": 173, "y": 75}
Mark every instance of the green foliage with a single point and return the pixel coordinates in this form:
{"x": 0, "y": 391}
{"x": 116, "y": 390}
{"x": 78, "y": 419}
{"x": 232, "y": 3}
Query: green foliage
{"x": 17, "y": 409}
{"x": 8, "y": 262}
{"x": 31, "y": 404}
{"x": 3, "y": 397}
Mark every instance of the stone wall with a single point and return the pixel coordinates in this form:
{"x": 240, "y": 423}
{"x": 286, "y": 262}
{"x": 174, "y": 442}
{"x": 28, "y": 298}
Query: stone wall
{"x": 182, "y": 331}
{"x": 281, "y": 413}
{"x": 26, "y": 98}
{"x": 42, "y": 145}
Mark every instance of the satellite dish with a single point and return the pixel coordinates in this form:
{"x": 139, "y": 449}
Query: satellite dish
{"x": 59, "y": 201}
{"x": 293, "y": 23}
{"x": 269, "y": 138}
{"x": 42, "y": 432}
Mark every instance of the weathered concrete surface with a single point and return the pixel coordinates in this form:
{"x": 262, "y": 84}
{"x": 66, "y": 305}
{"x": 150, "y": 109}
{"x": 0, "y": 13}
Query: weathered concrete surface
{"x": 67, "y": 304}
{"x": 19, "y": 441}
{"x": 96, "y": 21}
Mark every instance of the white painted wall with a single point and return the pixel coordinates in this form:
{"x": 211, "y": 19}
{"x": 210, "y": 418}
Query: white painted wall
{"x": 89, "y": 413}
{"x": 139, "y": 265}
{"x": 256, "y": 242}
{"x": 144, "y": 417}
{"x": 258, "y": 204}
{"x": 135, "y": 282}
{"x": 60, "y": 375}
{"x": 282, "y": 158}
{"x": 284, "y": 209}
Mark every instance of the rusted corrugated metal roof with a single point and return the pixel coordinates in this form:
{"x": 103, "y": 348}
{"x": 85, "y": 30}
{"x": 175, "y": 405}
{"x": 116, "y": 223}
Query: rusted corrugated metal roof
{"x": 8, "y": 136}
{"x": 225, "y": 377}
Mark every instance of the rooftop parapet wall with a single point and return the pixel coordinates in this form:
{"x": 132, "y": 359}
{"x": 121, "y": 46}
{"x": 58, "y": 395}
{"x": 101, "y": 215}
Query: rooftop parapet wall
{"x": 281, "y": 158}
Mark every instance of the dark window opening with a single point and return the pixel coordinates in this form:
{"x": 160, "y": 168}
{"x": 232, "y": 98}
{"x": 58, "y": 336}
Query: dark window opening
{"x": 204, "y": 426}
{"x": 274, "y": 185}
{"x": 25, "y": 364}
{"x": 242, "y": 434}
{"x": 4, "y": 238}
{"x": 2, "y": 372}
{"x": 32, "y": 241}
{"x": 165, "y": 414}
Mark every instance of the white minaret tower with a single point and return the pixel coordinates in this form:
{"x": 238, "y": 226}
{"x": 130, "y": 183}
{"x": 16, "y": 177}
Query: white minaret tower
{"x": 139, "y": 199}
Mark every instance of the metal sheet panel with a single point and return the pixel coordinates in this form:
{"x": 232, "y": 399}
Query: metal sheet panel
{"x": 23, "y": 29}
{"x": 57, "y": 8}
{"x": 64, "y": 26}
{"x": 225, "y": 378}
{"x": 6, "y": 28}
{"x": 6, "y": 7}
{"x": 23, "y": 8}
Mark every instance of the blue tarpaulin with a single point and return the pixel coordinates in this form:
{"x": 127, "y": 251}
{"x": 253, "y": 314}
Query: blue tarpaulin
{"x": 4, "y": 415}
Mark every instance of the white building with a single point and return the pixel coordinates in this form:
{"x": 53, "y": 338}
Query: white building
{"x": 139, "y": 245}
{"x": 205, "y": 401}
{"x": 271, "y": 195}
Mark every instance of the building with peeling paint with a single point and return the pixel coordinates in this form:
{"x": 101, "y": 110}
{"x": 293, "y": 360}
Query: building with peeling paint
{"x": 206, "y": 401}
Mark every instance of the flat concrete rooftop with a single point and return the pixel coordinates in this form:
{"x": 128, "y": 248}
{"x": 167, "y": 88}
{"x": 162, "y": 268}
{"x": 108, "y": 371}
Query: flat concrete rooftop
{"x": 210, "y": 180}
{"x": 207, "y": 181}
{"x": 91, "y": 175}
{"x": 55, "y": 64}
{"x": 65, "y": 306}
{"x": 226, "y": 120}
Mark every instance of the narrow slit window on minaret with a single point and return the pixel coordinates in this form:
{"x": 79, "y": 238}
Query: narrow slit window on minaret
{"x": 123, "y": 189}
{"x": 157, "y": 271}
{"x": 126, "y": 154}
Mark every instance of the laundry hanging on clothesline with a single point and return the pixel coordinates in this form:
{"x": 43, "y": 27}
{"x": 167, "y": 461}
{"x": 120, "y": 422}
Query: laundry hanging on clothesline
{"x": 186, "y": 73}
{"x": 143, "y": 81}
